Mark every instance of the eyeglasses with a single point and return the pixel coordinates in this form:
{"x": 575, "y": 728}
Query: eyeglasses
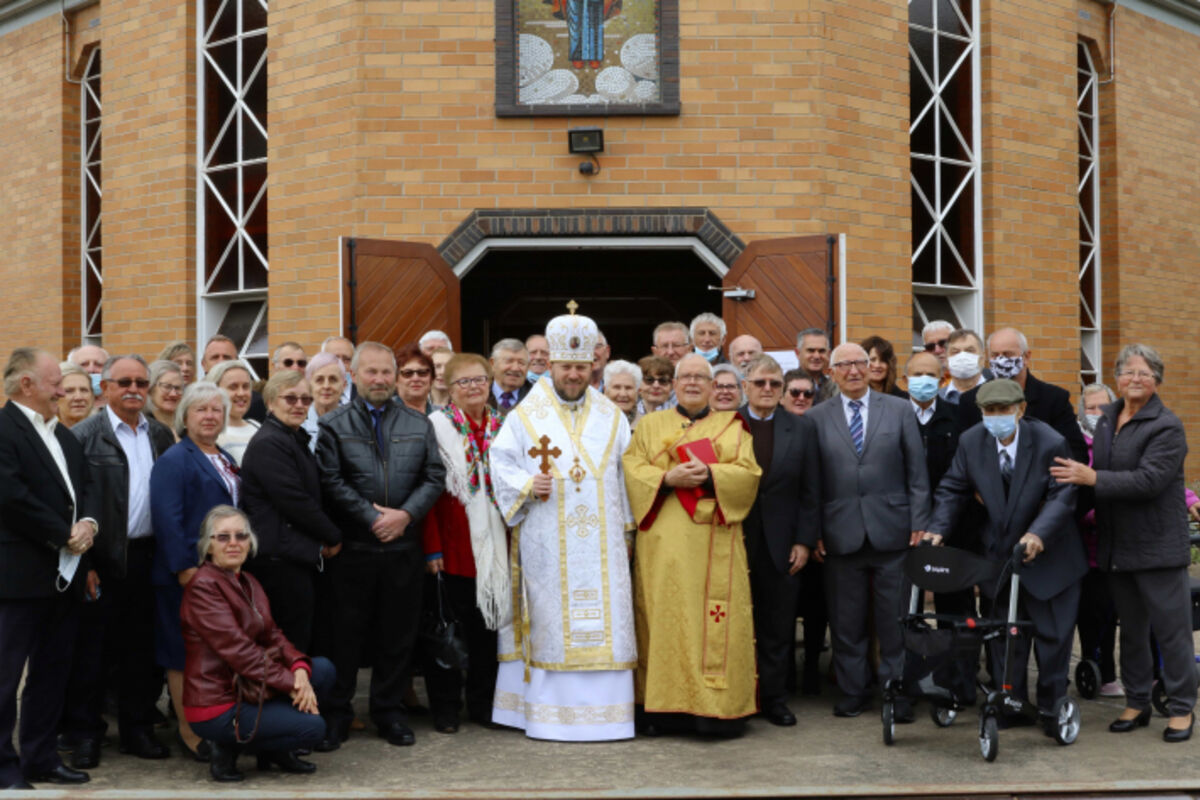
{"x": 802, "y": 392}
{"x": 292, "y": 399}
{"x": 860, "y": 364}
{"x": 659, "y": 381}
{"x": 692, "y": 377}
{"x": 225, "y": 538}
{"x": 170, "y": 388}
{"x": 931, "y": 346}
{"x": 725, "y": 387}
{"x": 125, "y": 383}
{"x": 294, "y": 362}
{"x": 477, "y": 380}
{"x": 1140, "y": 375}
{"x": 762, "y": 383}
{"x": 420, "y": 372}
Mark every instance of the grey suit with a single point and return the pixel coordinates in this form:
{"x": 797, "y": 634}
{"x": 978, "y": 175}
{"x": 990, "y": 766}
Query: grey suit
{"x": 870, "y": 504}
{"x": 1034, "y": 503}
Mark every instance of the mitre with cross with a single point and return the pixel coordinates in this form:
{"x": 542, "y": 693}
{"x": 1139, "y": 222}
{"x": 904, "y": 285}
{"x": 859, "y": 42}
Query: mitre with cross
{"x": 572, "y": 337}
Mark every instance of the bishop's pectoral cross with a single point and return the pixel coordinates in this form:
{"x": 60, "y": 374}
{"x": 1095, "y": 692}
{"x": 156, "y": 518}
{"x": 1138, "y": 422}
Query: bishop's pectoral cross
{"x": 545, "y": 453}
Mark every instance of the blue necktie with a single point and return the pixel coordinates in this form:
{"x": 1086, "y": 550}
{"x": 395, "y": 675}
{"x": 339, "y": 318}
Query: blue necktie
{"x": 506, "y": 401}
{"x": 856, "y": 425}
{"x": 377, "y": 419}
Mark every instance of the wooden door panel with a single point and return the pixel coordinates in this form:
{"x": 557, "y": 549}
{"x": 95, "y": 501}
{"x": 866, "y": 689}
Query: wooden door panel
{"x": 792, "y": 290}
{"x": 395, "y": 291}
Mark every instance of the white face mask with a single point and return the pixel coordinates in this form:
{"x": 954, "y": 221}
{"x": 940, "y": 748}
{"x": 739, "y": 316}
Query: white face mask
{"x": 1089, "y": 422}
{"x": 963, "y": 365}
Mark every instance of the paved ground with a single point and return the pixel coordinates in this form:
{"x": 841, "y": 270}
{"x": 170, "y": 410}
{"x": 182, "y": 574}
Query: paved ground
{"x": 823, "y": 756}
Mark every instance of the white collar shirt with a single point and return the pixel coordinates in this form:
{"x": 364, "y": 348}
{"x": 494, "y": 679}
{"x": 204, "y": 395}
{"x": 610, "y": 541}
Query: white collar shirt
{"x": 1011, "y": 447}
{"x": 140, "y": 458}
{"x": 952, "y": 395}
{"x": 862, "y": 412}
{"x": 924, "y": 414}
{"x": 45, "y": 429}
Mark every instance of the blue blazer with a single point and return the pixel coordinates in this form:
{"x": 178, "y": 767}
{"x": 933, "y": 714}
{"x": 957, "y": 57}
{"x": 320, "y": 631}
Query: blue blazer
{"x": 184, "y": 487}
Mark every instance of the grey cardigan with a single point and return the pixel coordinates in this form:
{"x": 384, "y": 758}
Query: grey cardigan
{"x": 1141, "y": 516}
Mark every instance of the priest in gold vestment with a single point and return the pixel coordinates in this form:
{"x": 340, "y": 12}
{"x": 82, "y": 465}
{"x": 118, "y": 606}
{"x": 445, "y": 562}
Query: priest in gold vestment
{"x": 695, "y": 629}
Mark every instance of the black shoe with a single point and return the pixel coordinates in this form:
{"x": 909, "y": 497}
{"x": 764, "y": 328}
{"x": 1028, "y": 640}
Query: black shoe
{"x": 223, "y": 766}
{"x": 288, "y": 762}
{"x": 66, "y": 741}
{"x": 1179, "y": 734}
{"x": 202, "y": 753}
{"x": 86, "y": 754}
{"x": 902, "y": 710}
{"x": 336, "y": 732}
{"x": 1119, "y": 725}
{"x": 397, "y": 733}
{"x": 20, "y": 784}
{"x": 851, "y": 706}
{"x": 60, "y": 774}
{"x": 445, "y": 723}
{"x": 142, "y": 744}
{"x": 779, "y": 714}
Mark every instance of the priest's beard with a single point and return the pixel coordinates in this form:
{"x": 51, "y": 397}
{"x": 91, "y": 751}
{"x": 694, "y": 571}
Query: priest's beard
{"x": 570, "y": 392}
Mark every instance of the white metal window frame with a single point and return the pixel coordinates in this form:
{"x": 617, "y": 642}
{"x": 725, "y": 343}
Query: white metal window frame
{"x": 966, "y": 301}
{"x": 1087, "y": 103}
{"x": 212, "y": 307}
{"x": 90, "y": 245}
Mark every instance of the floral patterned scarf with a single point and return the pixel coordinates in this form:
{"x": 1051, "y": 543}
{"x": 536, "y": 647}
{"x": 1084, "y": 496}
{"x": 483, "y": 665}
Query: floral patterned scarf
{"x": 478, "y": 465}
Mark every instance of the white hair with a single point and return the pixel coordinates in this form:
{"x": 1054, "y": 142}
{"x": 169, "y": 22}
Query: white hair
{"x": 429, "y": 336}
{"x": 935, "y": 325}
{"x": 508, "y": 346}
{"x": 619, "y": 367}
{"x": 199, "y": 392}
{"x": 693, "y": 356}
{"x": 709, "y": 317}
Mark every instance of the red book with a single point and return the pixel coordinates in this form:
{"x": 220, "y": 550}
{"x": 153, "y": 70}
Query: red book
{"x": 700, "y": 450}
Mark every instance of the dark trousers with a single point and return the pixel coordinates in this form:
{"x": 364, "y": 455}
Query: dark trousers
{"x": 1052, "y": 637}
{"x": 42, "y": 632}
{"x": 1098, "y": 624}
{"x": 291, "y": 590}
{"x": 1158, "y": 599}
{"x": 282, "y": 728}
{"x": 853, "y": 584}
{"x": 812, "y": 607}
{"x": 377, "y": 594}
{"x": 960, "y": 674}
{"x": 114, "y": 646}
{"x": 445, "y": 686}
{"x": 774, "y": 595}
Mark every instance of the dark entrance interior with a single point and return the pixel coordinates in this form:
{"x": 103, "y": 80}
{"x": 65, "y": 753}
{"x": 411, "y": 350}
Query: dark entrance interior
{"x": 627, "y": 292}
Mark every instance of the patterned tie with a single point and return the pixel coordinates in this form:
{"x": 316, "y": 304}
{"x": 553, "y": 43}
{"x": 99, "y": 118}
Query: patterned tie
{"x": 856, "y": 425}
{"x": 1006, "y": 468}
{"x": 506, "y": 401}
{"x": 377, "y": 419}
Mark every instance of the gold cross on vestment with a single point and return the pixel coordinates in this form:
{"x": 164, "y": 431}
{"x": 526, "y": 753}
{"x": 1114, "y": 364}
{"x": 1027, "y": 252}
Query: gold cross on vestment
{"x": 572, "y": 306}
{"x": 545, "y": 452}
{"x": 583, "y": 520}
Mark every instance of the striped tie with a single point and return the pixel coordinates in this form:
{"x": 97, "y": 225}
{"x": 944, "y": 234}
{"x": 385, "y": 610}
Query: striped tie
{"x": 856, "y": 426}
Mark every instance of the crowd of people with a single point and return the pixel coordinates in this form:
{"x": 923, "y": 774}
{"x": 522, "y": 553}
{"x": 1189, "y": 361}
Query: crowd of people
{"x": 622, "y": 546}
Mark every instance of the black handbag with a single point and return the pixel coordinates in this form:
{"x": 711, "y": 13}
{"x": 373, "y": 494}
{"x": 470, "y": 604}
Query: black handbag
{"x": 441, "y": 634}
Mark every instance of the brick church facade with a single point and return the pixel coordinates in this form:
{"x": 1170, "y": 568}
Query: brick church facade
{"x": 178, "y": 167}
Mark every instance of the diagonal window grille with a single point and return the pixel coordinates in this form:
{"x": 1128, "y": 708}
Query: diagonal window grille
{"x": 944, "y": 146}
{"x": 1088, "y": 204}
{"x": 90, "y": 202}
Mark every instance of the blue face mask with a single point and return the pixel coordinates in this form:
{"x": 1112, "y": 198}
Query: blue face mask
{"x": 922, "y": 388}
{"x": 95, "y": 383}
{"x": 534, "y": 377}
{"x": 1001, "y": 426}
{"x": 710, "y": 355}
{"x": 1007, "y": 366}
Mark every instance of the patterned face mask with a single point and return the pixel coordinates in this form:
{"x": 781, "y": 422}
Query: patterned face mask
{"x": 1007, "y": 366}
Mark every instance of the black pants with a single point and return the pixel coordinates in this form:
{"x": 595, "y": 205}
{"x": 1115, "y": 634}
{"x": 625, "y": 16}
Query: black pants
{"x": 377, "y": 594}
{"x": 813, "y": 609}
{"x": 42, "y": 632}
{"x": 774, "y": 595}
{"x": 1098, "y": 624}
{"x": 445, "y": 686}
{"x": 291, "y": 590}
{"x": 854, "y": 584}
{"x": 114, "y": 647}
{"x": 1051, "y": 639}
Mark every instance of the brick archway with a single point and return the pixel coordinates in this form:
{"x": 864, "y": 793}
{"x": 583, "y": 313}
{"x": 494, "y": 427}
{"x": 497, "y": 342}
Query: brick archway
{"x": 523, "y": 223}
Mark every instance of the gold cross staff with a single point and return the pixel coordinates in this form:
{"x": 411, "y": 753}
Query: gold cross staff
{"x": 572, "y": 306}
{"x": 544, "y": 453}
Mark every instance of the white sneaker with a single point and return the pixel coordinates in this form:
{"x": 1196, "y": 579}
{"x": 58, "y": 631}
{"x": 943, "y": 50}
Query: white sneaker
{"x": 1112, "y": 689}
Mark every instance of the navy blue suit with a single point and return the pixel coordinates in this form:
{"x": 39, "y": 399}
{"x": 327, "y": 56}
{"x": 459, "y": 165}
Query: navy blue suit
{"x": 184, "y": 487}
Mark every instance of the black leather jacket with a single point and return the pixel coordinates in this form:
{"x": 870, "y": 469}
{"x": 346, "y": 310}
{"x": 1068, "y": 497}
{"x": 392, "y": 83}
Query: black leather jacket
{"x": 281, "y": 492}
{"x": 355, "y": 475}
{"x": 108, "y": 487}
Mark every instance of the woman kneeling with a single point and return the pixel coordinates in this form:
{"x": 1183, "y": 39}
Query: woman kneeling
{"x": 231, "y": 639}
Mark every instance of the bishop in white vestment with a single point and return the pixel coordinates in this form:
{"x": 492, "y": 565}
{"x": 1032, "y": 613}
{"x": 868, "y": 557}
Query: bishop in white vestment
{"x": 567, "y": 658}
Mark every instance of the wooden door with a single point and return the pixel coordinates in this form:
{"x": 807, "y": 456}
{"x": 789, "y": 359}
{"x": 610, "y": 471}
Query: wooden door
{"x": 793, "y": 283}
{"x": 395, "y": 291}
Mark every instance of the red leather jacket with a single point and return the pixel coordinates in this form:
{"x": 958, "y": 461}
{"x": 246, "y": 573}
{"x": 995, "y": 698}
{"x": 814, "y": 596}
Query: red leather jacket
{"x": 227, "y": 625}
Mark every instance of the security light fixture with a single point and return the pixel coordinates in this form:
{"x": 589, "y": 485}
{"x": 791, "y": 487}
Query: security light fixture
{"x": 585, "y": 140}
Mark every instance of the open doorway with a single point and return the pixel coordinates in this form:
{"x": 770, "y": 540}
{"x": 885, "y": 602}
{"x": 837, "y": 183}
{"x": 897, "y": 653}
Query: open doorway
{"x": 514, "y": 293}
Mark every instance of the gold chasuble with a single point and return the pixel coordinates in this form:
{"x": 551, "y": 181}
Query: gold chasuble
{"x": 695, "y": 630}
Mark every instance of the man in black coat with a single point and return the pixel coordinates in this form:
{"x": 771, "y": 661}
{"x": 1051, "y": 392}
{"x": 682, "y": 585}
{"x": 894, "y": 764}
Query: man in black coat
{"x": 42, "y": 484}
{"x": 116, "y": 632}
{"x": 1006, "y": 461}
{"x": 781, "y": 529}
{"x": 380, "y": 475}
{"x": 510, "y": 365}
{"x": 1009, "y": 354}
